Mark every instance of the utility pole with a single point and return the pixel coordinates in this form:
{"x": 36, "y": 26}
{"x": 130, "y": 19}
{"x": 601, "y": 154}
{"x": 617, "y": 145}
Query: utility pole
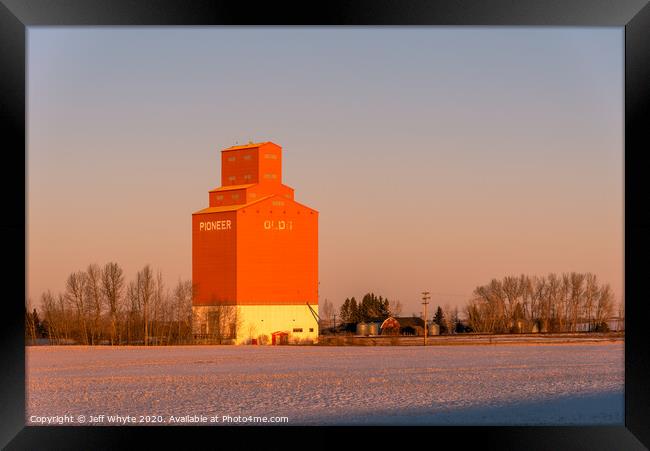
{"x": 335, "y": 324}
{"x": 425, "y": 299}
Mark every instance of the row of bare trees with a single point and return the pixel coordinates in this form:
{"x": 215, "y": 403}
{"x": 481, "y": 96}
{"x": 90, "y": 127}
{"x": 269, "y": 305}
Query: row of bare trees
{"x": 568, "y": 302}
{"x": 98, "y": 306}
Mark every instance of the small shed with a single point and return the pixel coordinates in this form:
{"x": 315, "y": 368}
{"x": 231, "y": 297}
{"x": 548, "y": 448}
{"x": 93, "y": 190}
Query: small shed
{"x": 280, "y": 338}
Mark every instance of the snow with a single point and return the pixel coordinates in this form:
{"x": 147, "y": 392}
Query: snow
{"x": 464, "y": 385}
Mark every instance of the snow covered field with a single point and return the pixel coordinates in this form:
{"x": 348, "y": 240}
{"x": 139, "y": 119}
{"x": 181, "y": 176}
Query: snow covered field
{"x": 323, "y": 385}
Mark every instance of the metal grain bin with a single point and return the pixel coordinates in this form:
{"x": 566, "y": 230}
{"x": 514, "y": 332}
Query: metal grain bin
{"x": 362, "y": 329}
{"x": 434, "y": 329}
{"x": 373, "y": 328}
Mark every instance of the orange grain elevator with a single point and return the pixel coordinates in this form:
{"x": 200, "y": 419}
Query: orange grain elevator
{"x": 254, "y": 254}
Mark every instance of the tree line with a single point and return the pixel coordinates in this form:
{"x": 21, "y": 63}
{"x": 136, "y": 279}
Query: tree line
{"x": 370, "y": 308}
{"x": 568, "y": 302}
{"x": 98, "y": 306}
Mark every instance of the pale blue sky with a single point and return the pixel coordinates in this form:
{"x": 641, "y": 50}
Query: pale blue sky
{"x": 438, "y": 157}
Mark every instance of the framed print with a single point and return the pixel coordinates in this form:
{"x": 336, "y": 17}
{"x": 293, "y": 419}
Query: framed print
{"x": 357, "y": 217}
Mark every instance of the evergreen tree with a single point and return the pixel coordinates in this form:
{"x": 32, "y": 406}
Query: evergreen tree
{"x": 345, "y": 311}
{"x": 366, "y": 307}
{"x": 383, "y": 310}
{"x": 373, "y": 308}
{"x": 439, "y": 319}
{"x": 370, "y": 308}
{"x": 354, "y": 311}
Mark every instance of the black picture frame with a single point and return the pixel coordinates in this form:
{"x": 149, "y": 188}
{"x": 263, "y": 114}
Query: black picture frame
{"x": 634, "y": 15}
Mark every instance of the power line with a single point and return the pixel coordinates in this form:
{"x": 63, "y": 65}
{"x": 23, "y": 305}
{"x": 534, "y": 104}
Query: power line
{"x": 452, "y": 294}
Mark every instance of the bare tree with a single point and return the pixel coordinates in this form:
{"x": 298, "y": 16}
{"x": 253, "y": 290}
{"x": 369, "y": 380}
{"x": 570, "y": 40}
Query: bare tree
{"x": 590, "y": 298}
{"x": 528, "y": 299}
{"x": 395, "y": 308}
{"x": 576, "y": 296}
{"x": 565, "y": 301}
{"x": 94, "y": 296}
{"x": 157, "y": 306}
{"x": 448, "y": 318}
{"x": 511, "y": 293}
{"x": 604, "y": 306}
{"x": 112, "y": 288}
{"x": 621, "y": 312}
{"x": 455, "y": 321}
{"x": 167, "y": 317}
{"x": 183, "y": 308}
{"x": 553, "y": 294}
{"x": 540, "y": 308}
{"x": 223, "y": 323}
{"x": 133, "y": 315}
{"x": 65, "y": 316}
{"x": 76, "y": 296}
{"x": 621, "y": 315}
{"x": 326, "y": 313}
{"x": 30, "y": 323}
{"x": 480, "y": 311}
{"x": 146, "y": 286}
{"x": 51, "y": 316}
{"x": 489, "y": 313}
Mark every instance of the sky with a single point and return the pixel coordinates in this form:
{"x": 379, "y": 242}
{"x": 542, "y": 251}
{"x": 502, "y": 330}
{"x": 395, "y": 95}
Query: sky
{"x": 439, "y": 158}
